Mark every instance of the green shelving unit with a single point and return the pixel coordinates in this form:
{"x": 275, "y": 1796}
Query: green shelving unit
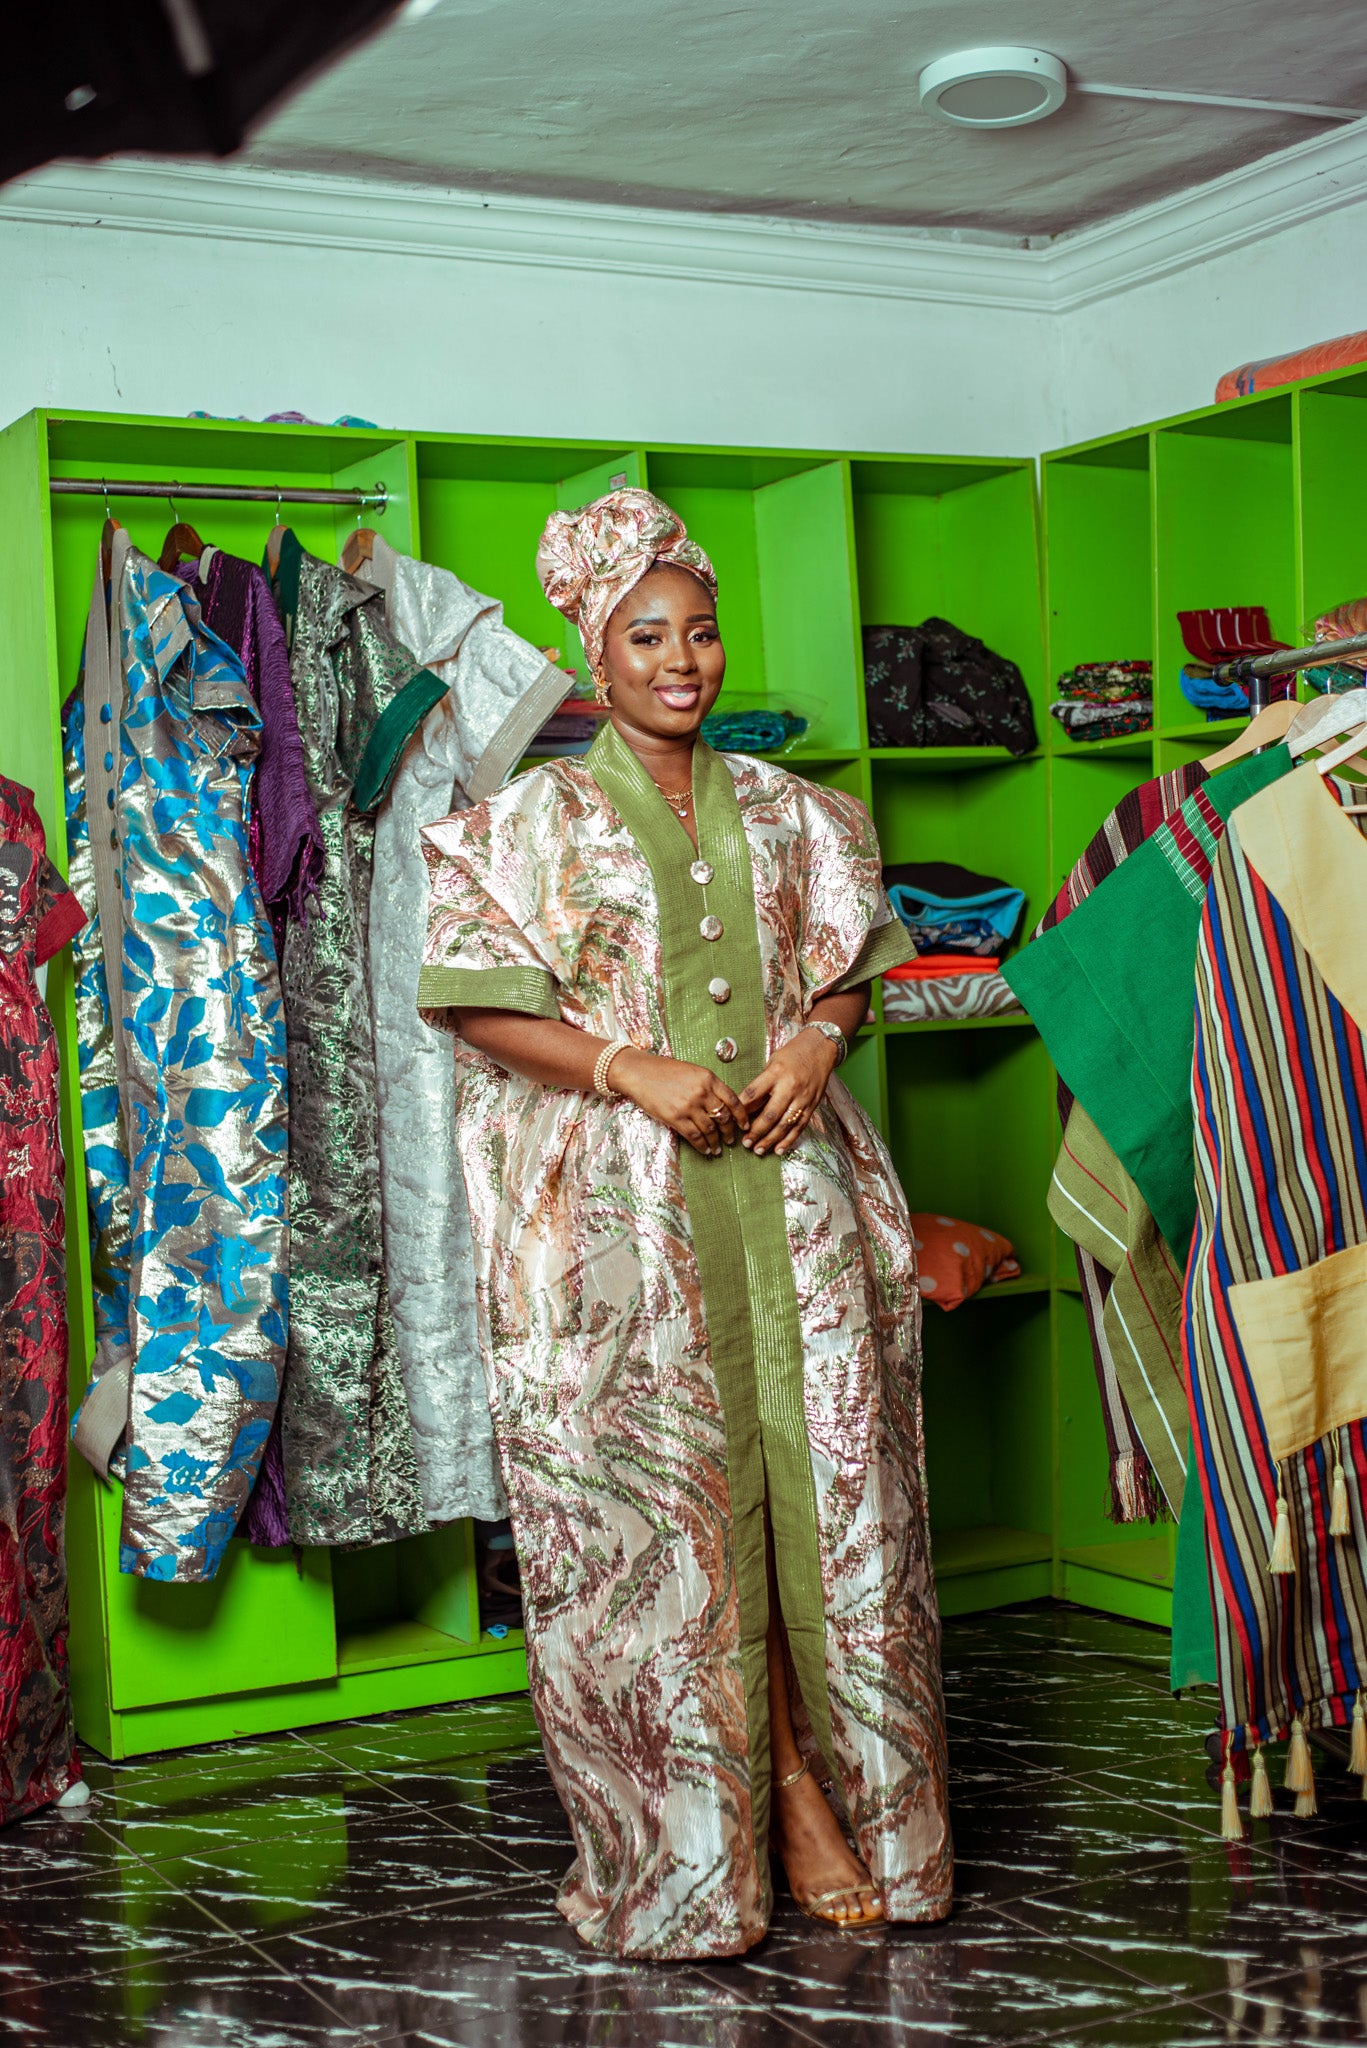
{"x": 809, "y": 545}
{"x": 1251, "y": 502}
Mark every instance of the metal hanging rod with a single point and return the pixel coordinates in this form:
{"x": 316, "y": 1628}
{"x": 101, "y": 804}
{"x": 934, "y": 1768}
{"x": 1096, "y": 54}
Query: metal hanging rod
{"x": 1246, "y": 667}
{"x": 233, "y": 494}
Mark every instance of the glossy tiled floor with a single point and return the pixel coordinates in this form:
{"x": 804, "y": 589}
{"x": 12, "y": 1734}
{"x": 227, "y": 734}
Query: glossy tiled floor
{"x": 391, "y": 1882}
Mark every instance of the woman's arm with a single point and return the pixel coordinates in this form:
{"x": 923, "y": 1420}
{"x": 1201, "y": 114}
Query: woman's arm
{"x": 782, "y": 1098}
{"x": 674, "y": 1092}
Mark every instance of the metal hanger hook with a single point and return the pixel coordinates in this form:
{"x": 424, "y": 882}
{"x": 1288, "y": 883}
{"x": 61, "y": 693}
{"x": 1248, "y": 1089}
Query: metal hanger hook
{"x": 108, "y": 508}
{"x": 279, "y": 508}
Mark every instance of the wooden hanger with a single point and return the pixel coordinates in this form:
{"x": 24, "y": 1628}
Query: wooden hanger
{"x": 1324, "y": 718}
{"x": 1271, "y": 724}
{"x": 182, "y": 540}
{"x": 111, "y": 527}
{"x": 359, "y": 549}
{"x": 1348, "y": 755}
{"x": 275, "y": 540}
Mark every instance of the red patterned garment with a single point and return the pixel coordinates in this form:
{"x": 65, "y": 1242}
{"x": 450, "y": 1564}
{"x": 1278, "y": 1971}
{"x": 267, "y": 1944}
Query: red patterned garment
{"x": 38, "y": 916}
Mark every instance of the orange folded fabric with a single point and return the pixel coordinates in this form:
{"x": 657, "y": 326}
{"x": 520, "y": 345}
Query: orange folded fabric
{"x": 935, "y": 966}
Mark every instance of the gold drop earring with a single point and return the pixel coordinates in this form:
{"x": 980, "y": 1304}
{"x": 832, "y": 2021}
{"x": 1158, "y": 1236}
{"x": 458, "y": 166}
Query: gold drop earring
{"x": 601, "y": 688}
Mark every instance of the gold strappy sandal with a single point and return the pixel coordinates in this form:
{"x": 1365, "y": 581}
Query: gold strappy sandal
{"x": 821, "y": 1905}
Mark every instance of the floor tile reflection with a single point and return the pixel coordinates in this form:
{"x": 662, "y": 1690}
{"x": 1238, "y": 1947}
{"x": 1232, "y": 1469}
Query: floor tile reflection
{"x": 391, "y": 1882}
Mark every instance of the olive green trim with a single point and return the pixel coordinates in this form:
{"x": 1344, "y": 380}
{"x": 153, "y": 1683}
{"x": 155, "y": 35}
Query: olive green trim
{"x": 394, "y": 728}
{"x": 887, "y": 945}
{"x": 528, "y": 989}
{"x": 740, "y": 1233}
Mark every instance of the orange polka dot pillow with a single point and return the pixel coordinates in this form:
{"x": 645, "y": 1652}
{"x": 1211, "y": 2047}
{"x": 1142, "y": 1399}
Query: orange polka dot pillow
{"x": 954, "y": 1259}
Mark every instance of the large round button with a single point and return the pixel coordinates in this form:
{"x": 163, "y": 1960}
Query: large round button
{"x": 719, "y": 990}
{"x": 702, "y": 872}
{"x": 726, "y": 1049}
{"x": 711, "y": 927}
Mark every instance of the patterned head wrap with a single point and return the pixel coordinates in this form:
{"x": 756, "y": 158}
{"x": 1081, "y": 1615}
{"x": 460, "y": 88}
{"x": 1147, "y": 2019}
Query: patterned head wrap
{"x": 589, "y": 561}
{"x": 1344, "y": 622}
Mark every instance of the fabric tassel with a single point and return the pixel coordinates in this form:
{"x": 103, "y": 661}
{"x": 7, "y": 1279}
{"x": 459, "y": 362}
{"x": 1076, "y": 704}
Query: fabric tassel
{"x": 1260, "y": 1797}
{"x": 1340, "y": 1523}
{"x": 1282, "y": 1559}
{"x": 1231, "y": 1826}
{"x": 1357, "y": 1755}
{"x": 1299, "y": 1776}
{"x": 1305, "y": 1801}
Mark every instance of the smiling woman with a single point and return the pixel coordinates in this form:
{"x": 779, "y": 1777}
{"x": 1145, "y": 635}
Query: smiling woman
{"x": 697, "y": 1289}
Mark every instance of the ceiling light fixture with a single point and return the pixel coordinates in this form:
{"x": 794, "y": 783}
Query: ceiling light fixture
{"x": 1006, "y": 86}
{"x": 1001, "y": 86}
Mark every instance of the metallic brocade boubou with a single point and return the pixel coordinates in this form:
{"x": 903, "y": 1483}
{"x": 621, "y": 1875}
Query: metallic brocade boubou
{"x": 664, "y": 1330}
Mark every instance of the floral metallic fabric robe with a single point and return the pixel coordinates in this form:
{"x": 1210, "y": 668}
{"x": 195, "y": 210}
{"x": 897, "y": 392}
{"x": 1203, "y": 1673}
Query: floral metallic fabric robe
{"x": 38, "y": 915}
{"x": 183, "y": 1078}
{"x": 350, "y": 1469}
{"x": 677, "y": 1342}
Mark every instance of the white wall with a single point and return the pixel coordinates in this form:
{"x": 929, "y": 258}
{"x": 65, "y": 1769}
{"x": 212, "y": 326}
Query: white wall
{"x": 124, "y": 317}
{"x": 1159, "y": 348}
{"x": 150, "y": 322}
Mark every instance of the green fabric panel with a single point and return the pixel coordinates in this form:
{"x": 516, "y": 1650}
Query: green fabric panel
{"x": 888, "y": 945}
{"x": 1193, "y": 1620}
{"x": 394, "y": 728}
{"x": 740, "y": 1234}
{"x": 1112, "y": 992}
{"x": 285, "y": 582}
{"x": 529, "y": 989}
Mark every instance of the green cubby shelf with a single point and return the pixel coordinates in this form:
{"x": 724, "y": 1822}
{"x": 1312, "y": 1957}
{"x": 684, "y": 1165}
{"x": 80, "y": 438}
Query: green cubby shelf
{"x": 1254, "y": 503}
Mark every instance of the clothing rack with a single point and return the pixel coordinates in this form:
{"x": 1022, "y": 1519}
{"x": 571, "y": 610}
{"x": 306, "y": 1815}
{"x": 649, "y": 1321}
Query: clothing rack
{"x": 1253, "y": 670}
{"x": 236, "y": 494}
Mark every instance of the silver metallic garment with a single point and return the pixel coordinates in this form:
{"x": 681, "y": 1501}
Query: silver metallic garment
{"x": 429, "y": 1259}
{"x": 350, "y": 1471}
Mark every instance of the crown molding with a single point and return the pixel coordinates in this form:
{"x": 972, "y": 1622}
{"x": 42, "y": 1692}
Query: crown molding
{"x": 248, "y": 203}
{"x": 1214, "y": 219}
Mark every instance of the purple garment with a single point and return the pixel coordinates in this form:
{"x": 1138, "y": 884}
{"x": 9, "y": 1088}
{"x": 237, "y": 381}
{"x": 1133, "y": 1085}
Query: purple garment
{"x": 285, "y": 843}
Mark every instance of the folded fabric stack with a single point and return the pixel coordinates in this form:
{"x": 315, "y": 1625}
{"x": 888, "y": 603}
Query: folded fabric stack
{"x": 1101, "y": 700}
{"x": 1227, "y": 633}
{"x": 757, "y": 731}
{"x": 575, "y": 725}
{"x": 572, "y": 729}
{"x": 958, "y": 922}
{"x": 933, "y": 685}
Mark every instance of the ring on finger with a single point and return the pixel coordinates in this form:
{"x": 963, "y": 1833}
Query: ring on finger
{"x": 794, "y": 1116}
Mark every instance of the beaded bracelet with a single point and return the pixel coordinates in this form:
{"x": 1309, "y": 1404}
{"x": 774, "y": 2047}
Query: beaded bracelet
{"x": 604, "y": 1061}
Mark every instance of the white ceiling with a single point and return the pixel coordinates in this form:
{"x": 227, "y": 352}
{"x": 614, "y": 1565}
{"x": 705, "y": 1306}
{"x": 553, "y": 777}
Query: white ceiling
{"x": 807, "y": 108}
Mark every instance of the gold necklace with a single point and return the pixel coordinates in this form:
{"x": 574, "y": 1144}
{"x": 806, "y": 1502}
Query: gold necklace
{"x": 679, "y": 800}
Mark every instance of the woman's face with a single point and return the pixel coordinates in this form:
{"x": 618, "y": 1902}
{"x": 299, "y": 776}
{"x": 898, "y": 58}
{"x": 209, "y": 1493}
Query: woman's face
{"x": 663, "y": 656}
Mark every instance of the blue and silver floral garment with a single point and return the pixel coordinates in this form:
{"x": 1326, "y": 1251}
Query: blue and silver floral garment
{"x": 185, "y": 1106}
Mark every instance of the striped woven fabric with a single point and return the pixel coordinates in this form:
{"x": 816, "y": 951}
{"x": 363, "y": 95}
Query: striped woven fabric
{"x": 1280, "y": 1102}
{"x": 1095, "y": 1202}
{"x": 1134, "y": 1494}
